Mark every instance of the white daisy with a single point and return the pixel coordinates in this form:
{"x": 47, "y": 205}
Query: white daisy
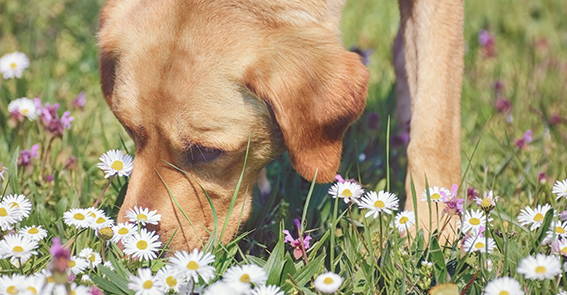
{"x": 557, "y": 230}
{"x": 540, "y": 267}
{"x": 559, "y": 247}
{"x": 381, "y": 202}
{"x": 560, "y": 188}
{"x": 122, "y": 231}
{"x": 168, "y": 279}
{"x": 144, "y": 283}
{"x": 24, "y": 107}
{"x": 142, "y": 245}
{"x": 533, "y": 217}
{"x": 487, "y": 201}
{"x": 222, "y": 288}
{"x": 404, "y": 220}
{"x": 77, "y": 217}
{"x": 33, "y": 284}
{"x": 479, "y": 243}
{"x": 77, "y": 264}
{"x": 116, "y": 162}
{"x": 34, "y": 232}
{"x": 347, "y": 190}
{"x": 8, "y": 216}
{"x": 194, "y": 265}
{"x": 18, "y": 202}
{"x": 12, "y": 65}
{"x": 17, "y": 246}
{"x": 248, "y": 275}
{"x": 92, "y": 257}
{"x": 12, "y": 284}
{"x": 474, "y": 221}
{"x": 61, "y": 289}
{"x": 267, "y": 290}
{"x": 143, "y": 216}
{"x": 436, "y": 194}
{"x": 503, "y": 286}
{"x": 328, "y": 282}
{"x": 100, "y": 221}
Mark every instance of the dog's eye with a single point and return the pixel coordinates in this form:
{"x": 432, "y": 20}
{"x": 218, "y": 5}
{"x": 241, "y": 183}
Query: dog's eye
{"x": 197, "y": 154}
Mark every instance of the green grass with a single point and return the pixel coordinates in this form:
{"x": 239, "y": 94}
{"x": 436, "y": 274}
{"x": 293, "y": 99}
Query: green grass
{"x": 531, "y": 61}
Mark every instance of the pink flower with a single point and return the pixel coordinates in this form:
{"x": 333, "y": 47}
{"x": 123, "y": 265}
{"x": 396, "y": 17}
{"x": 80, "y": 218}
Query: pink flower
{"x": 95, "y": 291}
{"x": 503, "y": 105}
{"x": 555, "y": 119}
{"x": 526, "y": 139}
{"x": 453, "y": 204}
{"x": 542, "y": 177}
{"x": 486, "y": 41}
{"x": 52, "y": 122}
{"x": 301, "y": 244}
{"x": 60, "y": 257}
{"x": 26, "y": 156}
{"x": 80, "y": 101}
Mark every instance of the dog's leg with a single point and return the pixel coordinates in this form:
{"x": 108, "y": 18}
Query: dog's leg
{"x": 429, "y": 63}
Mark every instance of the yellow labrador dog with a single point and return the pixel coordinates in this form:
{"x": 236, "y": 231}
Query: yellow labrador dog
{"x": 194, "y": 81}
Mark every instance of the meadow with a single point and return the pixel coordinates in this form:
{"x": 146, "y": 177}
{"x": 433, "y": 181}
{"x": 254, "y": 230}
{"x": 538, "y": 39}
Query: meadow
{"x": 511, "y": 199}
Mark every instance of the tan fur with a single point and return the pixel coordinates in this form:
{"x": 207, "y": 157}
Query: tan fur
{"x": 218, "y": 74}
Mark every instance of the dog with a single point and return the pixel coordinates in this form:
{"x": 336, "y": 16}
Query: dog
{"x": 202, "y": 86}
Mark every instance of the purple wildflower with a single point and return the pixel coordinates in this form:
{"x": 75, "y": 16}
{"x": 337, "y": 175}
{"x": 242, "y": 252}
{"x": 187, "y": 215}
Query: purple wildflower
{"x": 95, "y": 291}
{"x": 526, "y": 139}
{"x": 52, "y": 122}
{"x": 498, "y": 87}
{"x": 503, "y": 105}
{"x": 301, "y": 244}
{"x": 486, "y": 41}
{"x": 26, "y": 156}
{"x": 48, "y": 178}
{"x": 453, "y": 204}
{"x": 472, "y": 193}
{"x": 542, "y": 177}
{"x": 339, "y": 178}
{"x": 555, "y": 119}
{"x": 60, "y": 257}
{"x": 401, "y": 139}
{"x": 80, "y": 101}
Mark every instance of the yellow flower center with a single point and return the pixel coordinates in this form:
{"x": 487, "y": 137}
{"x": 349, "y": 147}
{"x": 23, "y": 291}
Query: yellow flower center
{"x": 540, "y": 269}
{"x": 404, "y": 220}
{"x": 91, "y": 214}
{"x": 71, "y": 263}
{"x": 18, "y": 249}
{"x": 564, "y": 250}
{"x": 171, "y": 281}
{"x": 79, "y": 216}
{"x": 245, "y": 278}
{"x": 479, "y": 245}
{"x": 92, "y": 258}
{"x": 379, "y": 204}
{"x": 100, "y": 220}
{"x": 50, "y": 279}
{"x": 32, "y": 290}
{"x": 123, "y": 231}
{"x": 3, "y": 212}
{"x": 12, "y": 290}
{"x": 503, "y": 292}
{"x": 142, "y": 217}
{"x": 14, "y": 205}
{"x": 485, "y": 203}
{"x": 192, "y": 265}
{"x": 328, "y": 281}
{"x": 117, "y": 165}
{"x": 474, "y": 221}
{"x": 33, "y": 231}
{"x": 13, "y": 65}
{"x": 148, "y": 284}
{"x": 538, "y": 217}
{"x": 25, "y": 111}
{"x": 436, "y": 196}
{"x": 346, "y": 193}
{"x": 142, "y": 245}
{"x": 559, "y": 230}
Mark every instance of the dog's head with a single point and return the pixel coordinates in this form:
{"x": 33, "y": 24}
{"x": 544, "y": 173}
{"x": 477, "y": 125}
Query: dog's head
{"x": 195, "y": 82}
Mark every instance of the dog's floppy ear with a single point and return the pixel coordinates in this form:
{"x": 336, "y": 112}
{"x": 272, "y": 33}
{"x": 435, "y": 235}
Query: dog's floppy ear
{"x": 316, "y": 89}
